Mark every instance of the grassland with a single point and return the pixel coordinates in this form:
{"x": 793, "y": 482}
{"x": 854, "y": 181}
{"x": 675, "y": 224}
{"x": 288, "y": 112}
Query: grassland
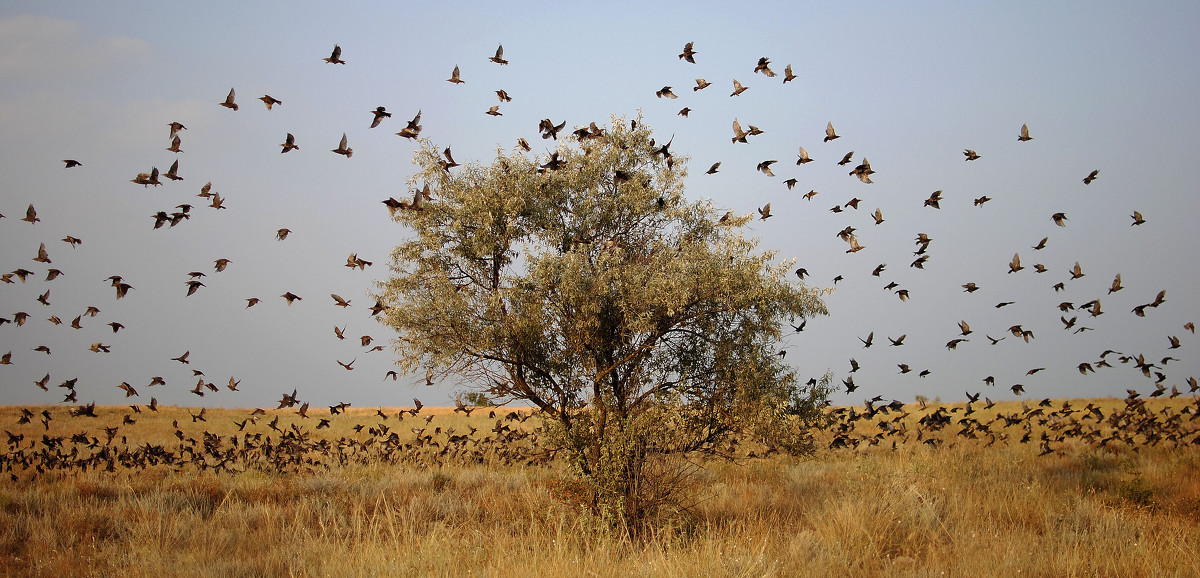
{"x": 959, "y": 507}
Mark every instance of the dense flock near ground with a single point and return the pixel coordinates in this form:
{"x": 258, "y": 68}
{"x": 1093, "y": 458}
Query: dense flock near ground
{"x": 1058, "y": 487}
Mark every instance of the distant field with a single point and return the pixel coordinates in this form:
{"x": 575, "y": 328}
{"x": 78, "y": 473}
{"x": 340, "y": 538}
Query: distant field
{"x": 1111, "y": 491}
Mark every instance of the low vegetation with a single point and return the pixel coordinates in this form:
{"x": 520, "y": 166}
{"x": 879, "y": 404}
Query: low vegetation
{"x": 961, "y": 506}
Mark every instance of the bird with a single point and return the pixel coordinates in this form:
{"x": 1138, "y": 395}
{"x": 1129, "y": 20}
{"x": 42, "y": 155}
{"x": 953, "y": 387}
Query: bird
{"x": 379, "y": 113}
{"x": 1041, "y": 244}
{"x": 1116, "y": 284}
{"x": 1024, "y": 136}
{"x": 846, "y": 159}
{"x": 270, "y": 101}
{"x": 765, "y": 168}
{"x": 221, "y": 264}
{"x": 981, "y": 200}
{"x": 764, "y": 66}
{"x": 829, "y": 134}
{"x": 1091, "y": 177}
{"x": 343, "y": 149}
{"x": 970, "y": 154}
{"x": 193, "y": 286}
{"x": 339, "y": 301}
{"x": 71, "y": 163}
{"x": 175, "y": 128}
{"x": 713, "y": 169}
{"x": 688, "y": 54}
{"x": 738, "y": 88}
{"x": 175, "y": 143}
{"x": 229, "y": 103}
{"x": 964, "y": 327}
{"x": 1137, "y": 218}
{"x": 31, "y": 215}
{"x": 413, "y": 128}
{"x": 1059, "y": 219}
{"x": 878, "y": 216}
{"x": 665, "y": 92}
{"x": 1015, "y": 264}
{"x": 183, "y": 358}
{"x": 290, "y": 297}
{"x": 765, "y": 212}
{"x": 787, "y": 74}
{"x": 863, "y": 171}
{"x": 499, "y": 57}
{"x": 252, "y": 301}
{"x": 494, "y": 110}
{"x": 42, "y": 255}
{"x": 129, "y": 390}
{"x": 1076, "y": 271}
{"x": 336, "y": 56}
{"x": 701, "y": 84}
{"x": 171, "y": 172}
{"x": 934, "y": 199}
{"x": 898, "y": 341}
{"x": 804, "y": 158}
{"x": 739, "y": 135}
{"x": 454, "y": 76}
{"x": 282, "y": 234}
{"x": 347, "y": 366}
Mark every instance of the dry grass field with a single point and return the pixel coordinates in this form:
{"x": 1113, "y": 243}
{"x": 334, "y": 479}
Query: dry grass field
{"x": 975, "y": 502}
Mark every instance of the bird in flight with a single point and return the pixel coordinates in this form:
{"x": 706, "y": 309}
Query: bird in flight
{"x": 343, "y": 149}
{"x": 1091, "y": 177}
{"x": 289, "y": 144}
{"x": 499, "y": 57}
{"x": 71, "y": 163}
{"x": 829, "y": 134}
{"x": 336, "y": 56}
{"x": 229, "y": 103}
{"x": 1024, "y": 133}
{"x": 380, "y": 114}
{"x": 454, "y": 76}
{"x": 270, "y": 101}
{"x": 688, "y": 54}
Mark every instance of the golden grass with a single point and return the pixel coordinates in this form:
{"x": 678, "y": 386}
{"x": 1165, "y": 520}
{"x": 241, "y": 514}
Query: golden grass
{"x": 961, "y": 509}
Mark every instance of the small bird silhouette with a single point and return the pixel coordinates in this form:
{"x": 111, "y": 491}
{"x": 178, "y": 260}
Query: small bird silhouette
{"x": 454, "y": 76}
{"x": 738, "y": 88}
{"x": 270, "y": 101}
{"x": 379, "y": 113}
{"x": 1091, "y": 177}
{"x": 229, "y": 103}
{"x": 688, "y": 54}
{"x": 71, "y": 163}
{"x": 499, "y": 57}
{"x": 336, "y": 56}
{"x": 829, "y": 134}
{"x": 343, "y": 149}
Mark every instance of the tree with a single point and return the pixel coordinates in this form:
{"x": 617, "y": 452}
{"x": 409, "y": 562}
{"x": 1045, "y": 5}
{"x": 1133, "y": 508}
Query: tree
{"x": 644, "y": 327}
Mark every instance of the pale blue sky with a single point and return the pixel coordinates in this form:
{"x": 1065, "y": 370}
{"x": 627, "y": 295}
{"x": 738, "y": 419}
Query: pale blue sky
{"x": 1103, "y": 85}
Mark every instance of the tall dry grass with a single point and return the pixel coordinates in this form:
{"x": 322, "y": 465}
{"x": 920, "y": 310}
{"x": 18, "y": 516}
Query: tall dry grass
{"x": 958, "y": 510}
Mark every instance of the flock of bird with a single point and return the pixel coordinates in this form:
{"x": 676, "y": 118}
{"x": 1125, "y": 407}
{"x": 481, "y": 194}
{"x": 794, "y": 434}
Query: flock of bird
{"x": 192, "y": 282}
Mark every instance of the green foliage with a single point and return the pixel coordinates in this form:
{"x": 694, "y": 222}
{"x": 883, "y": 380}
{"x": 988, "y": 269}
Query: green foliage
{"x": 644, "y": 326}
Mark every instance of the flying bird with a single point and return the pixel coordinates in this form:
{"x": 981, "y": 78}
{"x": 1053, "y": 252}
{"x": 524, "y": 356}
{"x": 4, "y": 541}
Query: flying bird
{"x": 1091, "y": 177}
{"x": 229, "y": 103}
{"x": 738, "y": 88}
{"x": 379, "y": 113}
{"x": 71, "y": 163}
{"x": 804, "y": 158}
{"x": 336, "y": 56}
{"x": 343, "y": 149}
{"x": 701, "y": 84}
{"x": 270, "y": 101}
{"x": 829, "y": 134}
{"x": 688, "y": 54}
{"x": 970, "y": 154}
{"x": 454, "y": 76}
{"x": 499, "y": 57}
{"x": 290, "y": 297}
{"x": 1024, "y": 136}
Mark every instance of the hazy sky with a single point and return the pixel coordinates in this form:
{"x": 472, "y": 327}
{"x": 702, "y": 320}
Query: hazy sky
{"x": 1103, "y": 86}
